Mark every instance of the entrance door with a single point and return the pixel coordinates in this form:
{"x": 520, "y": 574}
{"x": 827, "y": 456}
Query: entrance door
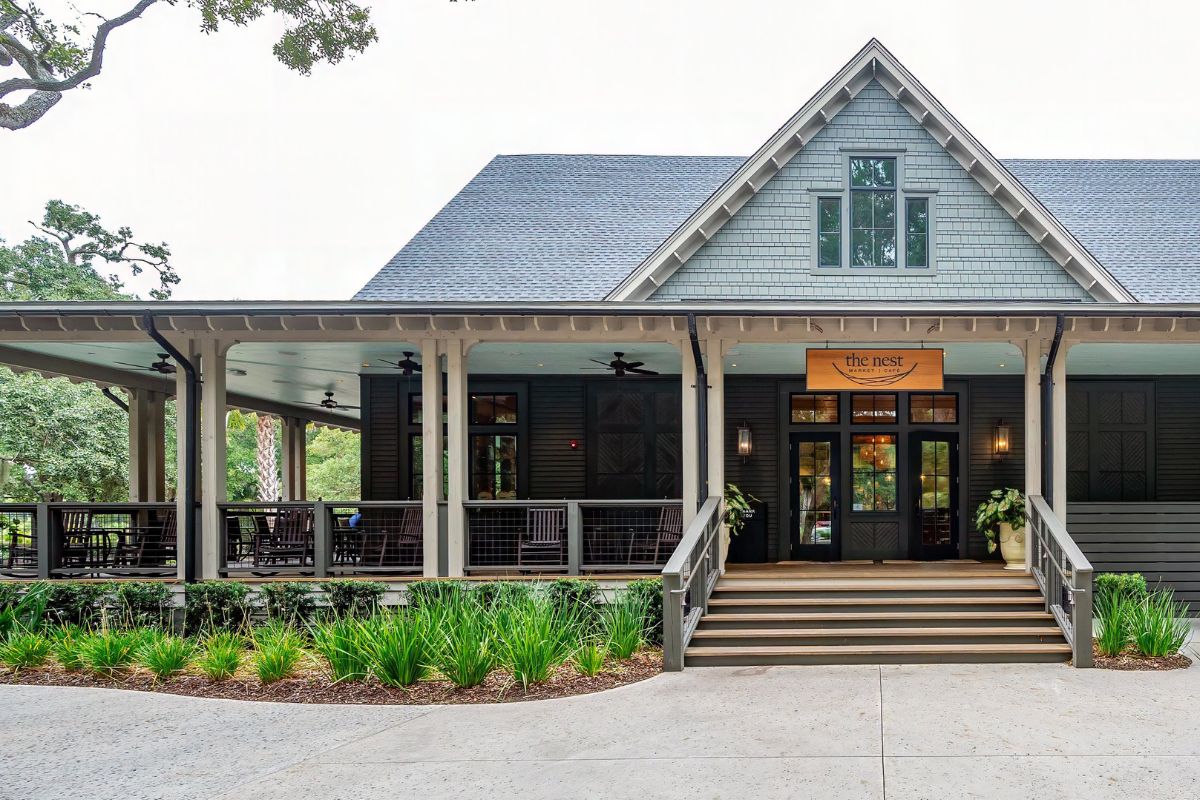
{"x": 815, "y": 492}
{"x": 934, "y": 482}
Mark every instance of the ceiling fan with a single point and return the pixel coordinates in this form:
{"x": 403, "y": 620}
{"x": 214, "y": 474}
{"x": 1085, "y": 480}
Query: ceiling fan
{"x": 162, "y": 366}
{"x": 329, "y": 403}
{"x": 407, "y": 365}
{"x": 620, "y": 367}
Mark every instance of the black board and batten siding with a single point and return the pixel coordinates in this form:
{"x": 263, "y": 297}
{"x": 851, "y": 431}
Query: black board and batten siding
{"x": 753, "y": 401}
{"x": 992, "y": 399}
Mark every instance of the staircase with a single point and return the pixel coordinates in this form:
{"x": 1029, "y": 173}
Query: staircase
{"x": 902, "y": 613}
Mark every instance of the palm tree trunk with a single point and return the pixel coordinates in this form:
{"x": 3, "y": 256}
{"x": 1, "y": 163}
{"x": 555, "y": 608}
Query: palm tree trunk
{"x": 268, "y": 465}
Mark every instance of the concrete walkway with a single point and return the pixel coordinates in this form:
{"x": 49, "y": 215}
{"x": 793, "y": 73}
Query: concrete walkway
{"x": 1019, "y": 731}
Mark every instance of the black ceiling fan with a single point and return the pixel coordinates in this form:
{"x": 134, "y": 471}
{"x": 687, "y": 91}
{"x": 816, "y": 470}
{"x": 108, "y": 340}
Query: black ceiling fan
{"x": 329, "y": 403}
{"x": 620, "y": 367}
{"x": 162, "y": 366}
{"x": 407, "y": 365}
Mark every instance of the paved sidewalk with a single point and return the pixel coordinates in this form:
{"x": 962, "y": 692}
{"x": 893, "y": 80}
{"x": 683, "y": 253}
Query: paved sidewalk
{"x": 1012, "y": 731}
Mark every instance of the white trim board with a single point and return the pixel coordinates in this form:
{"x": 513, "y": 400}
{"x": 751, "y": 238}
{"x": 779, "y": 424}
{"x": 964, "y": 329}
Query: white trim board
{"x": 873, "y": 62}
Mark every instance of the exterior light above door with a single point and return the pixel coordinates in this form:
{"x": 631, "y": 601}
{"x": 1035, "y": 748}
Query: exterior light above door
{"x": 745, "y": 441}
{"x": 1001, "y": 441}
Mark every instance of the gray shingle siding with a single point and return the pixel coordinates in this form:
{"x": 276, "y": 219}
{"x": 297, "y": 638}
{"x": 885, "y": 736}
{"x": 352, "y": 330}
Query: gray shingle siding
{"x": 766, "y": 252}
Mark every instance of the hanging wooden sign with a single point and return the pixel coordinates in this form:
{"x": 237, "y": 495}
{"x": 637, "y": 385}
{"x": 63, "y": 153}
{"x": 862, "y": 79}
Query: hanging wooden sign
{"x": 869, "y": 369}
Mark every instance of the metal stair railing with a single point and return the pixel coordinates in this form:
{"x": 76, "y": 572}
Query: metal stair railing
{"x": 1064, "y": 575}
{"x": 688, "y": 581}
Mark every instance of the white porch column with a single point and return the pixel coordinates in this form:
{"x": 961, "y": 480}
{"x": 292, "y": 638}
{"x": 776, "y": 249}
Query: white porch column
{"x": 1033, "y": 426}
{"x": 147, "y": 446}
{"x": 295, "y": 459}
{"x": 431, "y": 453}
{"x": 715, "y": 363}
{"x": 690, "y": 450}
{"x": 1058, "y": 429}
{"x": 212, "y": 455}
{"x": 456, "y": 445}
{"x": 183, "y": 503}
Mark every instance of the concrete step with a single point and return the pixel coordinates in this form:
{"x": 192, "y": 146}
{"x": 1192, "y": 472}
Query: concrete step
{"x": 772, "y": 637}
{"x": 697, "y": 656}
{"x": 723, "y": 620}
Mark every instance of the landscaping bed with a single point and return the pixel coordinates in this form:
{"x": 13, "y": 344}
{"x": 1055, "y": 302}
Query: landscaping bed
{"x": 315, "y": 686}
{"x": 1132, "y": 661}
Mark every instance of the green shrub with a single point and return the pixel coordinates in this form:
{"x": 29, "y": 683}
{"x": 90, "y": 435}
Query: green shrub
{"x": 624, "y": 624}
{"x": 108, "y": 652}
{"x": 67, "y": 646}
{"x": 573, "y": 595}
{"x": 28, "y": 612}
{"x": 339, "y": 642}
{"x": 277, "y": 654}
{"x": 1130, "y": 585}
{"x": 397, "y": 646}
{"x": 25, "y": 650}
{"x": 589, "y": 659}
{"x": 1158, "y": 625}
{"x": 216, "y": 605}
{"x": 422, "y": 593}
{"x": 650, "y": 592}
{"x": 138, "y": 605}
{"x": 354, "y": 598}
{"x": 72, "y": 603}
{"x": 533, "y": 637}
{"x": 222, "y": 656}
{"x": 167, "y": 655}
{"x": 461, "y": 644}
{"x": 489, "y": 594}
{"x": 289, "y": 601}
{"x": 1112, "y": 613}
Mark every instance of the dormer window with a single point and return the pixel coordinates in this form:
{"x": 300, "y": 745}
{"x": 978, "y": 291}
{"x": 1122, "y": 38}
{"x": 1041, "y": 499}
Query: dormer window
{"x": 889, "y": 226}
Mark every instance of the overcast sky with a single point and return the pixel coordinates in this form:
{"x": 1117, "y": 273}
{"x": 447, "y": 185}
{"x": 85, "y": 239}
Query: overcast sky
{"x": 268, "y": 185}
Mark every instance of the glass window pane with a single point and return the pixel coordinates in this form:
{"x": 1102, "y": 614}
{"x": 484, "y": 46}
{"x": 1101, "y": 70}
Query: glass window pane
{"x": 862, "y": 245}
{"x": 873, "y": 408}
{"x": 814, "y": 408}
{"x": 874, "y": 468}
{"x": 415, "y": 404}
{"x": 884, "y": 252}
{"x": 830, "y": 219}
{"x": 829, "y": 246}
{"x": 885, "y": 171}
{"x": 917, "y": 214}
{"x": 920, "y": 408}
{"x": 945, "y": 408}
{"x": 884, "y": 205}
{"x": 860, "y": 172}
{"x": 802, "y": 408}
{"x": 505, "y": 406}
{"x": 862, "y": 214}
{"x": 827, "y": 408}
{"x": 482, "y": 409}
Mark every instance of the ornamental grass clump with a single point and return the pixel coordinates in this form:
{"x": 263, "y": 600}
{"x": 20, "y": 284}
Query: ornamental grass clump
{"x": 107, "y": 652}
{"x": 25, "y": 650}
{"x": 396, "y": 645}
{"x": 534, "y": 636}
{"x": 1112, "y": 615}
{"x": 67, "y": 646}
{"x": 589, "y": 659}
{"x": 222, "y": 656}
{"x": 340, "y": 643}
{"x": 624, "y": 625}
{"x": 461, "y": 646}
{"x": 167, "y": 655}
{"x": 278, "y": 651}
{"x": 1158, "y": 625}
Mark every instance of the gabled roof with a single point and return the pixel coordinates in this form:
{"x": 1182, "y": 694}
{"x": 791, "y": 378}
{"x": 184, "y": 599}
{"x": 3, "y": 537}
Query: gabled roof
{"x": 548, "y": 227}
{"x": 873, "y": 63}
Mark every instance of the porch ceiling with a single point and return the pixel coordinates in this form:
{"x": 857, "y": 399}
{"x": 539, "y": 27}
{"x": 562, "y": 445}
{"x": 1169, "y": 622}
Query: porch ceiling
{"x": 1117, "y": 359}
{"x": 537, "y": 358}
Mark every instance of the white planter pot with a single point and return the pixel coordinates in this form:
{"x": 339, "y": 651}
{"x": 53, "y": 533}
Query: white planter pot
{"x": 1012, "y": 546}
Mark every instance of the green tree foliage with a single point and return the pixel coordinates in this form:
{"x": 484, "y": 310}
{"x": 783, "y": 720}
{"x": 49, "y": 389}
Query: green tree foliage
{"x": 47, "y": 54}
{"x": 333, "y": 464}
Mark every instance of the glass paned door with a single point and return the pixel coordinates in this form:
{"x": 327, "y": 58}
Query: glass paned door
{"x": 935, "y": 505}
{"x": 814, "y": 484}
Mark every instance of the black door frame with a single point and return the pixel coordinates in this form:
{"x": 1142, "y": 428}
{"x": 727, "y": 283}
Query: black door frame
{"x": 917, "y": 550}
{"x": 815, "y": 552}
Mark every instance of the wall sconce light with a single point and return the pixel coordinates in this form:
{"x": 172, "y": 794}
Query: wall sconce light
{"x": 745, "y": 441}
{"x": 1001, "y": 440}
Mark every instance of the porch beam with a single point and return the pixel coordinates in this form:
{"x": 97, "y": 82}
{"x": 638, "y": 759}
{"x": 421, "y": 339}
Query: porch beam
{"x": 431, "y": 454}
{"x": 456, "y": 445}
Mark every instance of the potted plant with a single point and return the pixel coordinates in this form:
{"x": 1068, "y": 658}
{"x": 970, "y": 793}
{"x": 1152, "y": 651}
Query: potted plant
{"x": 737, "y": 508}
{"x": 1001, "y": 518}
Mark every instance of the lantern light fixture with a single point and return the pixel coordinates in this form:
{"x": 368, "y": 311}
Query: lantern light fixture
{"x": 1001, "y": 439}
{"x": 745, "y": 441}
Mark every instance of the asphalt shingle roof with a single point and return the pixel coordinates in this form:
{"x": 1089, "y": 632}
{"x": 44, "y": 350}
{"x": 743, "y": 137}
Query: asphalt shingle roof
{"x": 570, "y": 227}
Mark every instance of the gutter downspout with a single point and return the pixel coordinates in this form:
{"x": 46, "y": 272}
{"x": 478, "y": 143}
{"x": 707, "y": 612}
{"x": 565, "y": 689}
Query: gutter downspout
{"x": 1048, "y": 487}
{"x": 121, "y": 404}
{"x": 701, "y": 411}
{"x": 191, "y": 436}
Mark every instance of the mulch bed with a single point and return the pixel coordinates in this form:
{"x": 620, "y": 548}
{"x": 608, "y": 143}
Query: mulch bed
{"x": 316, "y": 687}
{"x": 1132, "y": 661}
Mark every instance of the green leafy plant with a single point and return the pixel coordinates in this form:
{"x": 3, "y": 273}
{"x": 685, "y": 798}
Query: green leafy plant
{"x": 222, "y": 656}
{"x": 737, "y": 508}
{"x": 77, "y": 603}
{"x": 278, "y": 652}
{"x": 461, "y": 644}
{"x": 10, "y": 593}
{"x": 216, "y": 605}
{"x": 27, "y": 612}
{"x": 1129, "y": 585}
{"x": 108, "y": 652}
{"x": 649, "y": 591}
{"x": 67, "y": 646}
{"x": 339, "y": 642}
{"x": 167, "y": 655}
{"x": 1112, "y": 614}
{"x": 354, "y": 598}
{"x": 534, "y": 637}
{"x": 589, "y": 659}
{"x": 138, "y": 604}
{"x": 624, "y": 625}
{"x": 421, "y": 593}
{"x": 25, "y": 650}
{"x": 290, "y": 601}
{"x": 396, "y": 644}
{"x": 1002, "y": 506}
{"x": 578, "y": 597}
{"x": 1158, "y": 625}
{"x": 489, "y": 594}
